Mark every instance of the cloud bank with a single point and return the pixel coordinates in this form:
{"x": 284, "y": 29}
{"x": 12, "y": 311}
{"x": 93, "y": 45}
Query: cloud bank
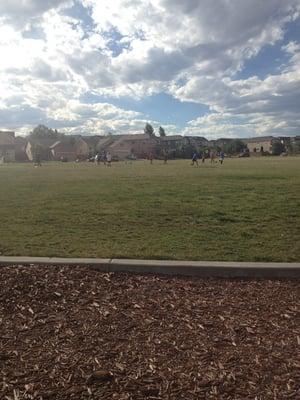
{"x": 54, "y": 53}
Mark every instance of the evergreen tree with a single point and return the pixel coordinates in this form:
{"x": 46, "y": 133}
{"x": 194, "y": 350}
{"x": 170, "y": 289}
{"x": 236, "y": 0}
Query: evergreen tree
{"x": 162, "y": 132}
{"x": 278, "y": 147}
{"x": 42, "y": 131}
{"x": 236, "y": 146}
{"x": 148, "y": 130}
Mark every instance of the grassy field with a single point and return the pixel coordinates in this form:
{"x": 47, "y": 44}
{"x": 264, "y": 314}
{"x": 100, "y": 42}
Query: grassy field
{"x": 247, "y": 210}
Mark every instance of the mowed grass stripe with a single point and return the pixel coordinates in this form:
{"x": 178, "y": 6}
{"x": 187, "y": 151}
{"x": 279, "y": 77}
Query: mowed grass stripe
{"x": 244, "y": 210}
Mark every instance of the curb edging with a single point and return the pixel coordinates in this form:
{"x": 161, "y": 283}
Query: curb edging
{"x": 205, "y": 269}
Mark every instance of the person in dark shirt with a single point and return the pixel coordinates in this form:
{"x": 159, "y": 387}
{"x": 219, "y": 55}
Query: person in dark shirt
{"x": 221, "y": 157}
{"x": 195, "y": 159}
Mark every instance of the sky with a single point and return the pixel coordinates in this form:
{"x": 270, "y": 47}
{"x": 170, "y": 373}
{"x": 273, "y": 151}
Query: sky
{"x": 222, "y": 68}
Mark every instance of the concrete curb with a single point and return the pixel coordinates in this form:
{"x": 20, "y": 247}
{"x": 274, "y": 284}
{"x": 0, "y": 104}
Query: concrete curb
{"x": 185, "y": 268}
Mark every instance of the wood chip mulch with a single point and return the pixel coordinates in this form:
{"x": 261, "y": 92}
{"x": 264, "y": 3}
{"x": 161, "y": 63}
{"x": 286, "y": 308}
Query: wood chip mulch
{"x": 75, "y": 333}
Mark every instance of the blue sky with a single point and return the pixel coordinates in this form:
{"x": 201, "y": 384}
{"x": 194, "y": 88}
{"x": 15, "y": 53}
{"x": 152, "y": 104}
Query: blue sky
{"x": 160, "y": 107}
{"x": 271, "y": 59}
{"x": 214, "y": 69}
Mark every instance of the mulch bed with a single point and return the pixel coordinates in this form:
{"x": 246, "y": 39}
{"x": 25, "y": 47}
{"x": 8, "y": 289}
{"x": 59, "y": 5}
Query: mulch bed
{"x": 75, "y": 333}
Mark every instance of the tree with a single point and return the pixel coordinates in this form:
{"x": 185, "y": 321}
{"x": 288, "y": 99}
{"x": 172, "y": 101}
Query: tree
{"x": 162, "y": 132}
{"x": 186, "y": 151}
{"x": 278, "y": 147}
{"x": 42, "y": 132}
{"x": 148, "y": 130}
{"x": 294, "y": 147}
{"x": 236, "y": 146}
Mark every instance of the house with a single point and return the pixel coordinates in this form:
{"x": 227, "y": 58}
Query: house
{"x": 70, "y": 149}
{"x": 172, "y": 142}
{"x": 82, "y": 148}
{"x": 105, "y": 142}
{"x": 92, "y": 142}
{"x": 262, "y": 144}
{"x": 20, "y": 149}
{"x": 173, "y": 145}
{"x": 39, "y": 147}
{"x": 7, "y": 146}
{"x": 198, "y": 142}
{"x": 220, "y": 143}
{"x": 295, "y": 144}
{"x": 140, "y": 145}
{"x": 295, "y": 139}
{"x": 286, "y": 140}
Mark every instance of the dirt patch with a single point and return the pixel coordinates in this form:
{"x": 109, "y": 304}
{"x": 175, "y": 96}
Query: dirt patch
{"x": 74, "y": 333}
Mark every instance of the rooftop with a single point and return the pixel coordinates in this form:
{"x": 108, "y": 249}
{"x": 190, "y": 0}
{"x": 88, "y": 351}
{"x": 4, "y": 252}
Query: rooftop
{"x": 7, "y": 138}
{"x": 259, "y": 139}
{"x": 171, "y": 137}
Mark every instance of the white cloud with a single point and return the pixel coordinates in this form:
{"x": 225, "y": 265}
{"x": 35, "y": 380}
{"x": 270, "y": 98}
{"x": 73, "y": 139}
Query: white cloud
{"x": 116, "y": 126}
{"x": 218, "y": 125}
{"x": 207, "y": 36}
{"x": 20, "y": 12}
{"x": 258, "y": 107}
{"x": 191, "y": 49}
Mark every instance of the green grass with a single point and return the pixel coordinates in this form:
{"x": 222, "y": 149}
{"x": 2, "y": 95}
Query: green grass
{"x": 247, "y": 210}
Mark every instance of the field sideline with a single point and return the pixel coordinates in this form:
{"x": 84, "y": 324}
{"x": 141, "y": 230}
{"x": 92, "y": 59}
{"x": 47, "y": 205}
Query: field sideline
{"x": 245, "y": 210}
